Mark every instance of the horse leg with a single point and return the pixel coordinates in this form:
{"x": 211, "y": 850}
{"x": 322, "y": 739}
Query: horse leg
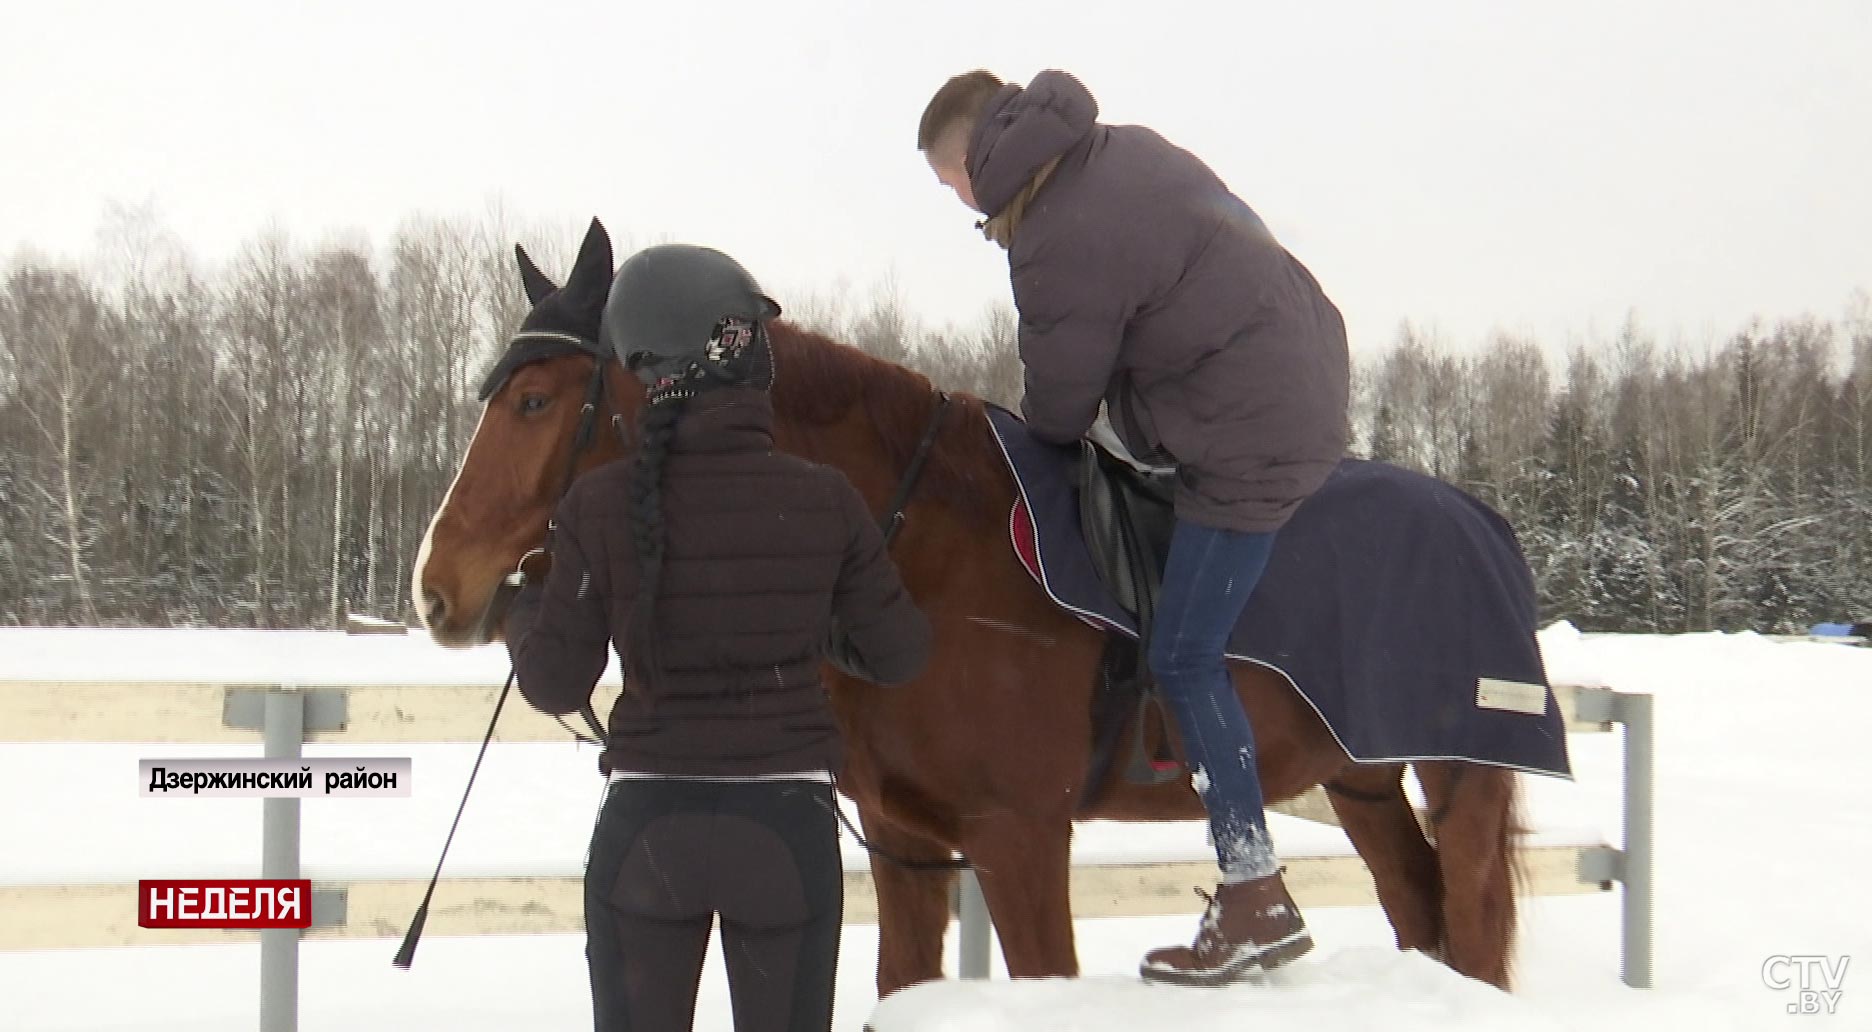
{"x": 1474, "y": 816}
{"x": 1377, "y": 817}
{"x": 1024, "y": 865}
{"x": 912, "y": 905}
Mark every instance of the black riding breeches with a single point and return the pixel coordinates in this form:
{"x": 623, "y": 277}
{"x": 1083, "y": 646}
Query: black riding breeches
{"x": 670, "y": 855}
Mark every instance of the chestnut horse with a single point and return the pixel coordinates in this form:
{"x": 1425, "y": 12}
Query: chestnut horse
{"x": 986, "y": 752}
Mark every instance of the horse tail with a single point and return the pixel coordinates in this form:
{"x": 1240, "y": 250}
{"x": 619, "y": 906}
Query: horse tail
{"x": 1477, "y": 816}
{"x": 1514, "y": 873}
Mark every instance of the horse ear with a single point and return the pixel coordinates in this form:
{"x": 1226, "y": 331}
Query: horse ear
{"x": 591, "y": 272}
{"x": 537, "y": 285}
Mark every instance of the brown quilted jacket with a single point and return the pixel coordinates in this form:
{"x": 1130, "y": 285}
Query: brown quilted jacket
{"x": 770, "y": 559}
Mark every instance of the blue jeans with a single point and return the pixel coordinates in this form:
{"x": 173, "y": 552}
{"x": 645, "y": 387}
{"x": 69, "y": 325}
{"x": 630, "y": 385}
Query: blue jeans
{"x": 1207, "y": 580}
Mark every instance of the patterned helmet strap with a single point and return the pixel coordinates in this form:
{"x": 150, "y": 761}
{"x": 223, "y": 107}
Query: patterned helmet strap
{"x": 724, "y": 359}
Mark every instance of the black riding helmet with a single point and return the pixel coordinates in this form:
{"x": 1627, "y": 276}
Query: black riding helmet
{"x": 668, "y": 305}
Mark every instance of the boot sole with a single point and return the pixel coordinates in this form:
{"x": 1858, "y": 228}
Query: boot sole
{"x": 1275, "y": 956}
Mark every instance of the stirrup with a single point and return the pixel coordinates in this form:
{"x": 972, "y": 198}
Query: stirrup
{"x": 1145, "y": 766}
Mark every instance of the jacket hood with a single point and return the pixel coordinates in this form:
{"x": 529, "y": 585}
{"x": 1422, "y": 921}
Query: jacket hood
{"x": 1021, "y": 129}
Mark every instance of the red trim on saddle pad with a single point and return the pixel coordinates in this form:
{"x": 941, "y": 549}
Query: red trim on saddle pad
{"x": 1027, "y": 547}
{"x": 1021, "y": 531}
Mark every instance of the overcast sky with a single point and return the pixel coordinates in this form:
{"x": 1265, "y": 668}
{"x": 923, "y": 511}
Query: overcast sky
{"x": 1466, "y": 165}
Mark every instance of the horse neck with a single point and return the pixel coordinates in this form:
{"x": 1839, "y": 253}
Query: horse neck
{"x": 859, "y": 415}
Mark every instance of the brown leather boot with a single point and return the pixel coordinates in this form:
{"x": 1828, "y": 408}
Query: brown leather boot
{"x": 1247, "y": 926}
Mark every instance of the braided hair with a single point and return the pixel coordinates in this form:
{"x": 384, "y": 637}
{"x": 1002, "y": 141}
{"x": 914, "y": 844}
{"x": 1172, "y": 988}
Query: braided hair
{"x": 738, "y": 355}
{"x": 656, "y": 428}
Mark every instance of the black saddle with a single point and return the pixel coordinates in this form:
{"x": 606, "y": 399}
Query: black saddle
{"x": 1127, "y": 515}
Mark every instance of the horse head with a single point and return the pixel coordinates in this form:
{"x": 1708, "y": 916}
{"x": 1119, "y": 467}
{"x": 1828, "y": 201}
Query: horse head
{"x": 549, "y": 404}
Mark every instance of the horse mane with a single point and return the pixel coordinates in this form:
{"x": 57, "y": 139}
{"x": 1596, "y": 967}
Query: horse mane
{"x": 818, "y": 380}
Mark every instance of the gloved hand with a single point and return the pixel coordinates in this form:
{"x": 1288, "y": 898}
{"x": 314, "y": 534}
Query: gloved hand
{"x": 839, "y": 653}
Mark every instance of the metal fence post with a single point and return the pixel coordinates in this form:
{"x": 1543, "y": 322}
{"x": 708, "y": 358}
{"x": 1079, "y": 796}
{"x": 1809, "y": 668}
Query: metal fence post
{"x": 284, "y": 729}
{"x": 1631, "y": 865}
{"x": 1636, "y": 712}
{"x": 972, "y": 908}
{"x": 283, "y": 714}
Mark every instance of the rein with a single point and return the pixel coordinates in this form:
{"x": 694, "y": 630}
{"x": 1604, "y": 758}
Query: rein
{"x": 891, "y": 523}
{"x": 512, "y": 583}
{"x": 503, "y": 593}
{"x": 914, "y": 471}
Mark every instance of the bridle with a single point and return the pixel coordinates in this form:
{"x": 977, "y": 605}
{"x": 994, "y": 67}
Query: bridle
{"x": 588, "y": 421}
{"x": 553, "y": 343}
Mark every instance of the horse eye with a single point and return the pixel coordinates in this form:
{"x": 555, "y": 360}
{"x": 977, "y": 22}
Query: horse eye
{"x": 533, "y": 403}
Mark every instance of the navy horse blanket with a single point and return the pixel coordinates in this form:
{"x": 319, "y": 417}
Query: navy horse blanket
{"x": 1398, "y": 606}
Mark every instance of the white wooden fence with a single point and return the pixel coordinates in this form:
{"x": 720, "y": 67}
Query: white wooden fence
{"x": 286, "y": 715}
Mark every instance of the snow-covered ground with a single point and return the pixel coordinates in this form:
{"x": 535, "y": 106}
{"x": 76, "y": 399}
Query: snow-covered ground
{"x": 1761, "y": 820}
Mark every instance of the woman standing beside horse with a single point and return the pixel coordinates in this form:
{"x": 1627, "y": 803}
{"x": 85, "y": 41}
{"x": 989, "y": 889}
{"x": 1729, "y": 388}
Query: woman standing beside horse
{"x": 1142, "y": 282}
{"x": 724, "y": 572}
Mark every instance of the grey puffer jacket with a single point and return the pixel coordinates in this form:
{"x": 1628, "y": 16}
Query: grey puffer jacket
{"x": 1142, "y": 281}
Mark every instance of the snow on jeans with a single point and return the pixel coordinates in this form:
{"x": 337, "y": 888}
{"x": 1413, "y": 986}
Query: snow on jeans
{"x": 1207, "y": 581}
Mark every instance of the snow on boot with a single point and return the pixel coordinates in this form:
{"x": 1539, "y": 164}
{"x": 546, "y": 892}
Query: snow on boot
{"x": 1249, "y": 925}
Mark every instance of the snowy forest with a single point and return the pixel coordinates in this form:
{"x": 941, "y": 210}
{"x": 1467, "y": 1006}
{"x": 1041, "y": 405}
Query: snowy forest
{"x": 262, "y": 444}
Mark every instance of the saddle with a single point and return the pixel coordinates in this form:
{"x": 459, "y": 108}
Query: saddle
{"x": 1127, "y": 513}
